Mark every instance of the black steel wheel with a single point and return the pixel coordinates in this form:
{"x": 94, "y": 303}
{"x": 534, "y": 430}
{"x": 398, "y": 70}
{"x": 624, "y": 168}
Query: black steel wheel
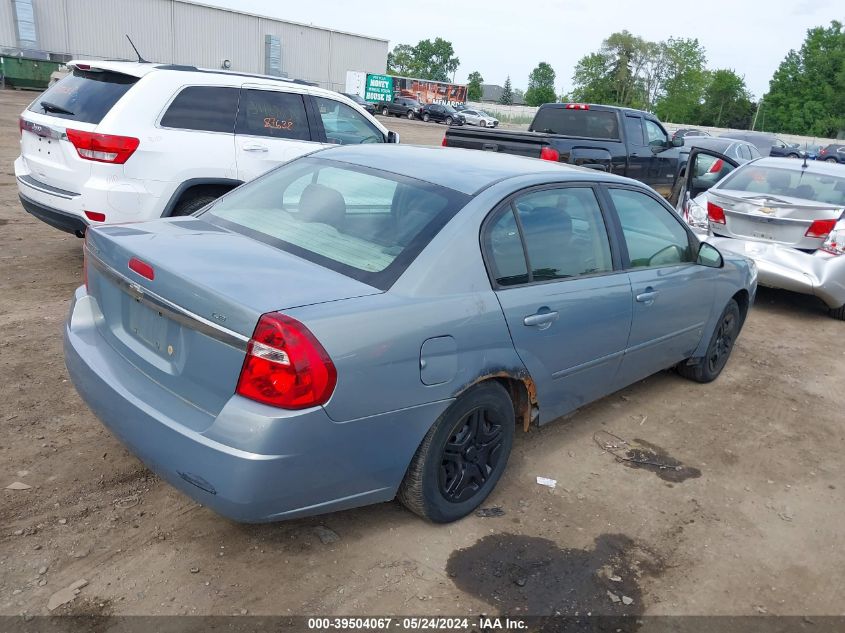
{"x": 719, "y": 350}
{"x": 462, "y": 456}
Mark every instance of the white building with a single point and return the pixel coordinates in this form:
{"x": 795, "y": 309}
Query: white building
{"x": 186, "y": 32}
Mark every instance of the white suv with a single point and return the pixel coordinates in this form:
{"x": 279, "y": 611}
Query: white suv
{"x": 125, "y": 141}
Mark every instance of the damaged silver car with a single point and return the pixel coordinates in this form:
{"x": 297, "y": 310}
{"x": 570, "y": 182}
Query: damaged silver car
{"x": 784, "y": 214}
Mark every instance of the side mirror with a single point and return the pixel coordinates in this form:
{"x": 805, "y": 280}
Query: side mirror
{"x": 392, "y": 137}
{"x": 709, "y": 256}
{"x": 677, "y": 142}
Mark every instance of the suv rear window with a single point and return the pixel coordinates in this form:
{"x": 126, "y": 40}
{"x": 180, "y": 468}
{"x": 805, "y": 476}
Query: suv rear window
{"x": 587, "y": 123}
{"x": 206, "y": 108}
{"x": 364, "y": 223}
{"x": 85, "y": 96}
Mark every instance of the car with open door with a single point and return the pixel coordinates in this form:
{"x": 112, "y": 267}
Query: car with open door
{"x": 373, "y": 322}
{"x": 786, "y": 215}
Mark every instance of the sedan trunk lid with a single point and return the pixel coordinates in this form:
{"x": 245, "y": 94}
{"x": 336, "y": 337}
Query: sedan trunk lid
{"x": 777, "y": 219}
{"x": 180, "y": 297}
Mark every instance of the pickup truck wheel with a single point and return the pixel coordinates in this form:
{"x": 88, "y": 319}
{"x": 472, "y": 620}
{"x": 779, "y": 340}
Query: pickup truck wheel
{"x": 838, "y": 313}
{"x": 462, "y": 456}
{"x": 190, "y": 204}
{"x": 385, "y": 112}
{"x": 720, "y": 347}
{"x": 426, "y": 117}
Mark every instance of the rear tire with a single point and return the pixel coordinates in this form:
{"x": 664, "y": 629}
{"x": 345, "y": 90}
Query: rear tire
{"x": 462, "y": 456}
{"x": 426, "y": 117}
{"x": 838, "y": 313}
{"x": 831, "y": 160}
{"x": 410, "y": 115}
{"x": 190, "y": 204}
{"x": 720, "y": 347}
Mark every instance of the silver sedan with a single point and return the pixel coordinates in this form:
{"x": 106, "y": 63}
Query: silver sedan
{"x": 479, "y": 117}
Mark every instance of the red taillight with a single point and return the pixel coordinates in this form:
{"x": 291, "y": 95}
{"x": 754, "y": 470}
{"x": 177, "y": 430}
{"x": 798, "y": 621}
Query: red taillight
{"x": 716, "y": 167}
{"x": 715, "y": 213}
{"x": 547, "y": 153}
{"x": 577, "y": 106}
{"x": 822, "y": 151}
{"x": 103, "y": 148}
{"x": 285, "y": 365}
{"x": 820, "y": 228}
{"x": 444, "y": 142}
{"x": 142, "y": 268}
{"x": 96, "y": 216}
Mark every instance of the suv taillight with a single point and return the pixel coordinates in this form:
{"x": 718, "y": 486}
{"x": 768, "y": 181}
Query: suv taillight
{"x": 820, "y": 228}
{"x": 103, "y": 148}
{"x": 285, "y": 365}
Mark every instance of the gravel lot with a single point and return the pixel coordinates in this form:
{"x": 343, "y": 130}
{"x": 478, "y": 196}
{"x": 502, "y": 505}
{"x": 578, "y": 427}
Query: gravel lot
{"x": 751, "y": 523}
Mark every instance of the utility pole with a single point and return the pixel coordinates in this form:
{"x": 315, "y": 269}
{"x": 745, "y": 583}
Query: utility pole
{"x": 756, "y": 114}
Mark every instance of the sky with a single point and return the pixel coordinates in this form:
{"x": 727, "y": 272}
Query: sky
{"x": 500, "y": 38}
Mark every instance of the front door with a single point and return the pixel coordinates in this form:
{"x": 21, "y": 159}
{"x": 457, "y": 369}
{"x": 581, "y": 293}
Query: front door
{"x": 704, "y": 169}
{"x": 567, "y": 305}
{"x": 672, "y": 294}
{"x": 272, "y": 128}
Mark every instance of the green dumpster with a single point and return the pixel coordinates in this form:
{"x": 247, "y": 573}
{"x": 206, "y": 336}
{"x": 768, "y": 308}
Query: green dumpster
{"x": 23, "y": 72}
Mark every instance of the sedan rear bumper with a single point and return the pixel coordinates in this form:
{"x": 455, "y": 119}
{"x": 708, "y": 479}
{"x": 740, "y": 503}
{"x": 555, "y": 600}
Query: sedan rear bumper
{"x": 817, "y": 274}
{"x": 249, "y": 462}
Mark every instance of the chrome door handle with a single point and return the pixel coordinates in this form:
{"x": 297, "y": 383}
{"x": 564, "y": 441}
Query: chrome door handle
{"x": 648, "y": 296}
{"x": 254, "y": 147}
{"x": 541, "y": 319}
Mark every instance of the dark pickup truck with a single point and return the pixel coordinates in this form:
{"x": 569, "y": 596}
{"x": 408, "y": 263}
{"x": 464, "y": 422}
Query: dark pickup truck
{"x": 621, "y": 141}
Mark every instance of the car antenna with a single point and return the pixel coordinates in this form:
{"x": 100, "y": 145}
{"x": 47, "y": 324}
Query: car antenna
{"x": 804, "y": 164}
{"x": 141, "y": 60}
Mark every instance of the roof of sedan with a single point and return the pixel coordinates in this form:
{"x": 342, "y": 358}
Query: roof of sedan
{"x": 464, "y": 170}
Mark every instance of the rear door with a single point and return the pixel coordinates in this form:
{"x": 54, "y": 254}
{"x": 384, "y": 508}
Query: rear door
{"x": 272, "y": 128}
{"x": 79, "y": 101}
{"x": 567, "y": 305}
{"x": 673, "y": 296}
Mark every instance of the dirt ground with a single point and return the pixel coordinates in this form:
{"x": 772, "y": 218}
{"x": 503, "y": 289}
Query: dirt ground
{"x": 750, "y": 522}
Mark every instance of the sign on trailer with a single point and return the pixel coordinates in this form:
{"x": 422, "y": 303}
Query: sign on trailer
{"x": 379, "y": 88}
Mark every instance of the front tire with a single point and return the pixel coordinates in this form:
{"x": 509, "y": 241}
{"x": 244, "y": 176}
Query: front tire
{"x": 462, "y": 456}
{"x": 448, "y": 120}
{"x": 720, "y": 347}
{"x": 410, "y": 115}
{"x": 832, "y": 159}
{"x": 426, "y": 117}
{"x": 482, "y": 123}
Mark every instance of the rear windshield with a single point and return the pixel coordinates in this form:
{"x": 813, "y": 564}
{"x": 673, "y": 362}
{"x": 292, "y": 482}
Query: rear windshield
{"x": 364, "y": 223}
{"x": 787, "y": 183}
{"x": 588, "y": 123}
{"x": 84, "y": 95}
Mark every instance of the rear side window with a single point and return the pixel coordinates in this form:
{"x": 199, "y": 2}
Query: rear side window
{"x": 587, "y": 123}
{"x": 85, "y": 96}
{"x": 206, "y": 108}
{"x": 273, "y": 114}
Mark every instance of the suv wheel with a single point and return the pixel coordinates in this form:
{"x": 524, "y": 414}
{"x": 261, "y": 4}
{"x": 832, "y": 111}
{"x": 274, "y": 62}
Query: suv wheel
{"x": 191, "y": 203}
{"x": 410, "y": 114}
{"x": 462, "y": 456}
{"x": 831, "y": 159}
{"x": 720, "y": 348}
{"x": 426, "y": 117}
{"x": 448, "y": 120}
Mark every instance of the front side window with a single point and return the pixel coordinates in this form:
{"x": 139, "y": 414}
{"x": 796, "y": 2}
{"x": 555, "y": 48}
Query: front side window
{"x": 364, "y": 223}
{"x": 273, "y": 114}
{"x": 206, "y": 108}
{"x": 653, "y": 234}
{"x": 655, "y": 134}
{"x": 564, "y": 234}
{"x": 345, "y": 125}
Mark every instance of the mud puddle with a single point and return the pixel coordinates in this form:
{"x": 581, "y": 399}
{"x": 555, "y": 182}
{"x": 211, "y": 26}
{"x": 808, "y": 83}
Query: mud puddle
{"x": 651, "y": 457}
{"x": 527, "y": 575}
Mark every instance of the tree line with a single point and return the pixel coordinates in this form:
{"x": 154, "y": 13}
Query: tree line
{"x": 671, "y": 78}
